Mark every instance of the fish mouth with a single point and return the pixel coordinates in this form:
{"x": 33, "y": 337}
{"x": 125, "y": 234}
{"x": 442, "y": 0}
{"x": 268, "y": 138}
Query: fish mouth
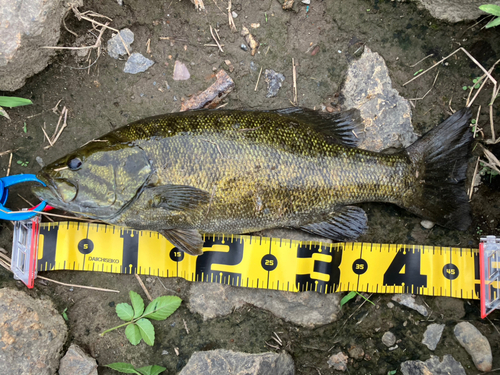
{"x": 56, "y": 191}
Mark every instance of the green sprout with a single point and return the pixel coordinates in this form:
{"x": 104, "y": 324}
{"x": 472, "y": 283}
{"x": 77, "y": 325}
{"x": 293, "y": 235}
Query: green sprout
{"x": 23, "y": 163}
{"x": 418, "y": 72}
{"x": 11, "y": 102}
{"x": 495, "y": 11}
{"x": 138, "y": 325}
{"x": 127, "y": 368}
{"x": 349, "y": 296}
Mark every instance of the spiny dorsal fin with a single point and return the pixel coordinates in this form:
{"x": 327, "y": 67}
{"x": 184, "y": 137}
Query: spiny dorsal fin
{"x": 345, "y": 224}
{"x": 343, "y": 128}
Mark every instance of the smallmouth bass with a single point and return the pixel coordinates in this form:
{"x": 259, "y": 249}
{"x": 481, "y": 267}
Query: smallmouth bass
{"x": 235, "y": 171}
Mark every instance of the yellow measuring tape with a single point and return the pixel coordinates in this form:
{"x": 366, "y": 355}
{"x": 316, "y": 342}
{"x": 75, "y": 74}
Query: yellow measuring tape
{"x": 262, "y": 262}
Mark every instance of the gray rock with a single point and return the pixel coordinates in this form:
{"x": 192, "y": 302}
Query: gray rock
{"x": 433, "y": 366}
{"x": 455, "y": 10}
{"x": 408, "y": 301}
{"x": 28, "y": 25}
{"x": 432, "y": 335}
{"x": 308, "y": 309}
{"x": 77, "y": 362}
{"x": 388, "y": 339}
{"x": 386, "y": 115}
{"x": 244, "y": 47}
{"x": 274, "y": 81}
{"x": 115, "y": 44}
{"x": 225, "y": 362}
{"x": 427, "y": 224}
{"x": 137, "y": 63}
{"x": 338, "y": 361}
{"x": 32, "y": 334}
{"x": 475, "y": 344}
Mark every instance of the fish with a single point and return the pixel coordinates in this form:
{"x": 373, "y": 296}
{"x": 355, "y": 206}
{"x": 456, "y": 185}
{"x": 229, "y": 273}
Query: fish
{"x": 242, "y": 171}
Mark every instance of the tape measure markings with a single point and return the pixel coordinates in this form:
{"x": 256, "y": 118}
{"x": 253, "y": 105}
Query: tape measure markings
{"x": 271, "y": 263}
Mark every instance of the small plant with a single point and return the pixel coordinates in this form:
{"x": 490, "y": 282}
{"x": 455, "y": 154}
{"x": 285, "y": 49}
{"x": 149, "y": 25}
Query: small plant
{"x": 64, "y": 315}
{"x": 138, "y": 326}
{"x": 11, "y": 102}
{"x": 127, "y": 368}
{"x": 349, "y": 296}
{"x": 494, "y": 10}
{"x": 23, "y": 163}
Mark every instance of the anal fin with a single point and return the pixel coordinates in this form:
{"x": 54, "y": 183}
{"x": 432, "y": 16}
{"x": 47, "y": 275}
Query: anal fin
{"x": 345, "y": 224}
{"x": 188, "y": 240}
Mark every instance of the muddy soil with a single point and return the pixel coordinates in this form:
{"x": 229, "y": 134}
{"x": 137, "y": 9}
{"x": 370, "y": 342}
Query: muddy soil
{"x": 322, "y": 41}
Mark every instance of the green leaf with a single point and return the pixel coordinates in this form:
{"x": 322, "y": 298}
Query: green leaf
{"x": 125, "y": 311}
{"x": 124, "y": 368}
{"x": 3, "y": 113}
{"x": 12, "y": 101}
{"x": 491, "y": 9}
{"x": 493, "y": 23}
{"x": 64, "y": 315}
{"x": 147, "y": 331}
{"x": 162, "y": 307}
{"x": 151, "y": 370}
{"x": 392, "y": 372}
{"x": 133, "y": 334}
{"x": 137, "y": 304}
{"x": 347, "y": 298}
{"x": 464, "y": 88}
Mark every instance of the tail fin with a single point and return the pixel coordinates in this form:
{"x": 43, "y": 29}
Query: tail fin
{"x": 440, "y": 158}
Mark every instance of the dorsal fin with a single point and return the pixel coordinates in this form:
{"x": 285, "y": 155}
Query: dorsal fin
{"x": 343, "y": 128}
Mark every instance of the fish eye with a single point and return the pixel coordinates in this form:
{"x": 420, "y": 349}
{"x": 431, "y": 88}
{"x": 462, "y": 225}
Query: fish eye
{"x": 75, "y": 164}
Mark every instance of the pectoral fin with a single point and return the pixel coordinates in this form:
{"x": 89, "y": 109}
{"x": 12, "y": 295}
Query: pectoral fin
{"x": 346, "y": 224}
{"x": 188, "y": 240}
{"x": 177, "y": 197}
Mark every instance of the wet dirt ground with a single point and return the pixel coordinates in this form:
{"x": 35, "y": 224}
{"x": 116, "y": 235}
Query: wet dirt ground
{"x": 103, "y": 98}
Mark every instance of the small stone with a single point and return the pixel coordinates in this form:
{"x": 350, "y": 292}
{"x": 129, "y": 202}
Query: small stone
{"x": 221, "y": 361}
{"x": 427, "y": 224}
{"x": 408, "y": 301}
{"x": 433, "y": 366}
{"x": 338, "y": 361}
{"x": 315, "y": 51}
{"x": 475, "y": 344}
{"x": 253, "y": 66}
{"x": 329, "y": 109}
{"x": 115, "y": 44}
{"x": 76, "y": 361}
{"x": 181, "y": 72}
{"x": 356, "y": 352}
{"x": 432, "y": 335}
{"x": 390, "y": 305}
{"x": 307, "y": 2}
{"x": 120, "y": 2}
{"x": 234, "y": 14}
{"x": 274, "y": 81}
{"x": 244, "y": 47}
{"x": 137, "y": 63}
{"x": 388, "y": 339}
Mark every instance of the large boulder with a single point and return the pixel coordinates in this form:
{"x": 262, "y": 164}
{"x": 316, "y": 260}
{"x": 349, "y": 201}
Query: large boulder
{"x": 25, "y": 26}
{"x": 32, "y": 334}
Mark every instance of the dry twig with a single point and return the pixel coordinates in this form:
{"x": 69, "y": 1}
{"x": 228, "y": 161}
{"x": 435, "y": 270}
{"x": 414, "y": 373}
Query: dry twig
{"x": 258, "y": 79}
{"x": 216, "y": 41}
{"x": 143, "y": 287}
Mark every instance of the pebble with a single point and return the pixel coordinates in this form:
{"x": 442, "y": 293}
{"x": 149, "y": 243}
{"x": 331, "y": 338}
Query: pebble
{"x": 221, "y": 361}
{"x": 475, "y": 344}
{"x": 234, "y": 14}
{"x": 115, "y": 44}
{"x": 390, "y": 305}
{"x": 433, "y": 366}
{"x": 307, "y": 2}
{"x": 137, "y": 63}
{"x": 432, "y": 335}
{"x": 76, "y": 361}
{"x": 181, "y": 72}
{"x": 244, "y": 47}
{"x": 253, "y": 66}
{"x": 388, "y": 339}
{"x": 409, "y": 301}
{"x": 427, "y": 224}
{"x": 356, "y": 352}
{"x": 274, "y": 81}
{"x": 338, "y": 361}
